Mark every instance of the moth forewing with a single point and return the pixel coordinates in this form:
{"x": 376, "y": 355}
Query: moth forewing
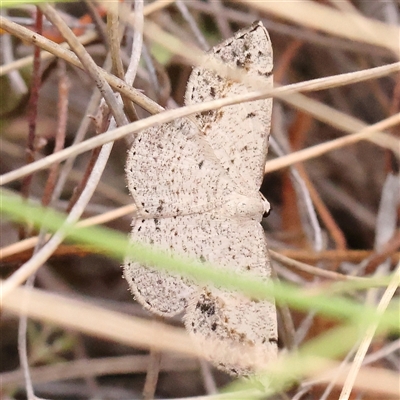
{"x": 196, "y": 186}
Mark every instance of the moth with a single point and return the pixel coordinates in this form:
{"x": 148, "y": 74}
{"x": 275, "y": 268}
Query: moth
{"x": 196, "y": 187}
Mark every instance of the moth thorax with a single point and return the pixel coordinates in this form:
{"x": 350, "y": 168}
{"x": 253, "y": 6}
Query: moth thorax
{"x": 246, "y": 207}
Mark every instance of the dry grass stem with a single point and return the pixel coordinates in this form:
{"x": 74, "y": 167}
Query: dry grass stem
{"x": 170, "y": 115}
{"x": 368, "y": 337}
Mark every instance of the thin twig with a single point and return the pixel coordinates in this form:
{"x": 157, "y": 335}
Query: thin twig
{"x": 367, "y": 133}
{"x": 192, "y": 24}
{"x": 61, "y": 52}
{"x": 98, "y": 22}
{"x": 87, "y": 61}
{"x": 209, "y": 382}
{"x": 369, "y": 335}
{"x": 310, "y": 269}
{"x": 80, "y": 133}
{"x": 301, "y": 188}
{"x": 152, "y": 373}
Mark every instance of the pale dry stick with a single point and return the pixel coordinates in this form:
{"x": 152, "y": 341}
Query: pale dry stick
{"x": 192, "y": 24}
{"x": 137, "y": 43}
{"x": 99, "y": 322}
{"x": 362, "y": 350}
{"x": 385, "y": 229}
{"x": 152, "y": 373}
{"x": 108, "y": 216}
{"x": 309, "y": 269}
{"x": 303, "y": 328}
{"x": 337, "y": 372}
{"x": 319, "y": 149}
{"x": 29, "y": 243}
{"x": 86, "y": 38}
{"x": 325, "y": 255}
{"x": 114, "y": 36}
{"x": 75, "y": 369}
{"x": 289, "y": 276}
{"x": 67, "y": 55}
{"x": 103, "y": 188}
{"x": 338, "y": 119}
{"x": 382, "y": 353}
{"x": 107, "y": 190}
{"x": 208, "y": 379}
{"x": 302, "y": 190}
{"x": 354, "y": 256}
{"x": 339, "y": 197}
{"x": 151, "y": 70}
{"x": 88, "y": 63}
{"x": 317, "y": 16}
{"x": 300, "y": 394}
{"x": 301, "y": 102}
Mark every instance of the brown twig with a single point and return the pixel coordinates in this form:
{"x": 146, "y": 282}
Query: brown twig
{"x": 32, "y": 115}
{"x": 63, "y": 91}
{"x": 87, "y": 61}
